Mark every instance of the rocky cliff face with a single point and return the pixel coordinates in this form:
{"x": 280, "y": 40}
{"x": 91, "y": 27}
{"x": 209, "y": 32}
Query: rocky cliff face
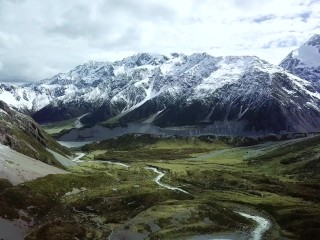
{"x": 24, "y": 135}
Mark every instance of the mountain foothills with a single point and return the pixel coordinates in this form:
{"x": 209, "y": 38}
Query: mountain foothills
{"x": 23, "y": 134}
{"x": 235, "y": 95}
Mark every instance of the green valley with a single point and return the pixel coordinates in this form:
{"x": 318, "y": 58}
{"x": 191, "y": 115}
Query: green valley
{"x": 111, "y": 195}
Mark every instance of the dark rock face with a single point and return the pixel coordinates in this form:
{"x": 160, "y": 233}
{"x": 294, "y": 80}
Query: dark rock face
{"x": 102, "y": 113}
{"x": 258, "y": 102}
{"x": 61, "y": 111}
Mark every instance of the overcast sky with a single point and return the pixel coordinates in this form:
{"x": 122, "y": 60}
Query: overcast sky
{"x": 40, "y": 38}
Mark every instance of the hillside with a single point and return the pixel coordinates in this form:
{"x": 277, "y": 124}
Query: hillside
{"x": 21, "y": 133}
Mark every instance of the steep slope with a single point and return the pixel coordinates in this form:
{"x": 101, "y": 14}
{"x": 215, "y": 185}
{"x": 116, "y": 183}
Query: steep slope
{"x": 231, "y": 95}
{"x": 304, "y": 62}
{"x": 18, "y": 168}
{"x": 21, "y": 133}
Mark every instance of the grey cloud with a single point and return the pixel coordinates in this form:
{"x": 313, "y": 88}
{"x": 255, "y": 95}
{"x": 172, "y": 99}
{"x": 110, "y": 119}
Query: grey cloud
{"x": 125, "y": 41}
{"x": 3, "y": 2}
{"x": 11, "y": 1}
{"x": 75, "y": 22}
{"x": 19, "y": 69}
{"x": 8, "y": 40}
{"x": 104, "y": 18}
{"x": 41, "y": 38}
{"x": 111, "y": 25}
{"x": 148, "y": 10}
{"x": 305, "y": 16}
{"x": 289, "y": 41}
{"x": 263, "y": 18}
{"x": 312, "y": 2}
{"x": 13, "y": 71}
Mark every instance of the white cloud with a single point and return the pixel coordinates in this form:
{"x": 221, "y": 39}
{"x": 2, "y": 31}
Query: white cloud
{"x": 41, "y": 38}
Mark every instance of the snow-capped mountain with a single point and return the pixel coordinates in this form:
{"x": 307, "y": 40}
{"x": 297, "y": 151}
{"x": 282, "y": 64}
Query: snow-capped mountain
{"x": 232, "y": 93}
{"x": 305, "y": 61}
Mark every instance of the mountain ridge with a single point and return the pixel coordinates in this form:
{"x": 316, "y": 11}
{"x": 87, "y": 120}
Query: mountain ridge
{"x": 235, "y": 93}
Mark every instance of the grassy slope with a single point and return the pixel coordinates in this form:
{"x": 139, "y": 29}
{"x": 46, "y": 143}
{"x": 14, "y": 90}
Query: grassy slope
{"x": 145, "y": 147}
{"x": 284, "y": 182}
{"x": 300, "y": 161}
{"x": 57, "y": 127}
{"x": 31, "y": 147}
{"x": 22, "y": 134}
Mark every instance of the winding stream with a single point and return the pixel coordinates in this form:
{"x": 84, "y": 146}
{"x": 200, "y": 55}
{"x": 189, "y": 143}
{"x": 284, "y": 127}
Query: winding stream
{"x": 263, "y": 224}
{"x": 160, "y": 176}
{"x": 117, "y": 163}
{"x": 77, "y": 158}
{"x": 108, "y": 162}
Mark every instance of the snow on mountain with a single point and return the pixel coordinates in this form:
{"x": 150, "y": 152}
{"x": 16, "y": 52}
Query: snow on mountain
{"x": 238, "y": 92}
{"x": 305, "y": 61}
{"x": 24, "y": 98}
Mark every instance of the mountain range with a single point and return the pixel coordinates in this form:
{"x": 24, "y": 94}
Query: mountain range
{"x": 233, "y": 94}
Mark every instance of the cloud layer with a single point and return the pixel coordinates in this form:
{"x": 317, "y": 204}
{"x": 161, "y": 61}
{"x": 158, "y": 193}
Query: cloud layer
{"x": 41, "y": 38}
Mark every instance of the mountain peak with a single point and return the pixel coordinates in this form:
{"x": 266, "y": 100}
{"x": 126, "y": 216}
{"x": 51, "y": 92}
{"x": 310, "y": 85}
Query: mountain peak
{"x": 307, "y": 55}
{"x": 314, "y": 40}
{"x": 144, "y": 58}
{"x": 305, "y": 61}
